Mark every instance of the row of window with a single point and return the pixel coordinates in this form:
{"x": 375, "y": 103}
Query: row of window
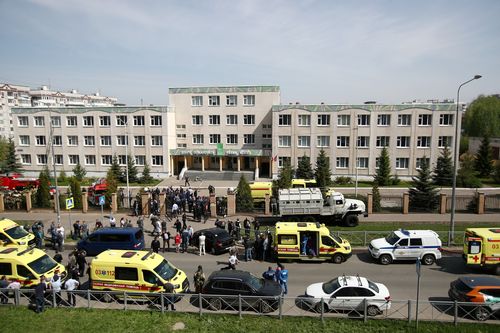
{"x": 231, "y": 139}
{"x": 88, "y": 121}
{"x": 231, "y": 119}
{"x": 304, "y": 141}
{"x": 89, "y": 140}
{"x": 106, "y": 160}
{"x": 364, "y": 120}
{"x": 363, "y": 162}
{"x": 231, "y": 100}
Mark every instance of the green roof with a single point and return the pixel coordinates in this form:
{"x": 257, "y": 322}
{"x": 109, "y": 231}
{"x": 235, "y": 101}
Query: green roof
{"x": 365, "y": 107}
{"x": 215, "y": 90}
{"x": 106, "y": 109}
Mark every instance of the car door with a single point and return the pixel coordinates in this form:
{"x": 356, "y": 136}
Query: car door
{"x": 402, "y": 249}
{"x": 416, "y": 248}
{"x": 341, "y": 299}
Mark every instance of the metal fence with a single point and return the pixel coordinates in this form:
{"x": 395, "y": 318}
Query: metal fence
{"x": 492, "y": 203}
{"x": 430, "y": 310}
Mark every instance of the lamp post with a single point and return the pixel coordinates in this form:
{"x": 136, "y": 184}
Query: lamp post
{"x": 455, "y": 160}
{"x": 126, "y": 167}
{"x": 56, "y": 195}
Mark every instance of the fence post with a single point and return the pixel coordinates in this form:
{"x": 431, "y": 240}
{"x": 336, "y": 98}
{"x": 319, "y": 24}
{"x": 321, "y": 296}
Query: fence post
{"x": 239, "y": 305}
{"x": 199, "y": 303}
{"x": 54, "y": 303}
{"x": 364, "y": 240}
{"x": 365, "y": 305}
{"x": 17, "y": 297}
{"x": 88, "y": 298}
{"x": 280, "y": 309}
{"x": 450, "y": 238}
{"x": 162, "y": 303}
{"x": 322, "y": 310}
{"x": 455, "y": 313}
{"x": 124, "y": 300}
{"x": 409, "y": 311}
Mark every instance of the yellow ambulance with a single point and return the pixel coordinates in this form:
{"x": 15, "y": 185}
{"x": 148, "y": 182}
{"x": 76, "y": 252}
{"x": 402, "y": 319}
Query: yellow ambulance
{"x": 309, "y": 241}
{"x": 14, "y": 235}
{"x": 482, "y": 247}
{"x": 260, "y": 189}
{"x": 303, "y": 183}
{"x": 135, "y": 271}
{"x": 27, "y": 265}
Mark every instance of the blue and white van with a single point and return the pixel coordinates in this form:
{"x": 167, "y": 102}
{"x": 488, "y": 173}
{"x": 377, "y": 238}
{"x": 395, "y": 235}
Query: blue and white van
{"x": 112, "y": 238}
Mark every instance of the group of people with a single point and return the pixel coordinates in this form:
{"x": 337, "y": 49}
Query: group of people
{"x": 80, "y": 230}
{"x": 57, "y": 236}
{"x": 280, "y": 275}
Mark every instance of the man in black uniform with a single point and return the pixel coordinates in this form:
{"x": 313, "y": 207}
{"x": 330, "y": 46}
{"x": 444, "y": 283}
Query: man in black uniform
{"x": 170, "y": 290}
{"x": 40, "y": 295}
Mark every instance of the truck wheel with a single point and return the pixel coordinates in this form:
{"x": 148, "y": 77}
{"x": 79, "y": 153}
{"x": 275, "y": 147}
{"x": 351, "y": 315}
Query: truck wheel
{"x": 337, "y": 258}
{"x": 351, "y": 220}
{"x": 428, "y": 259}
{"x": 385, "y": 259}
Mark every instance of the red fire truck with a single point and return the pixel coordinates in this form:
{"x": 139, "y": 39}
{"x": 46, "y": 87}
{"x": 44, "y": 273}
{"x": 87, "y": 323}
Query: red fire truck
{"x": 96, "y": 190}
{"x": 17, "y": 182}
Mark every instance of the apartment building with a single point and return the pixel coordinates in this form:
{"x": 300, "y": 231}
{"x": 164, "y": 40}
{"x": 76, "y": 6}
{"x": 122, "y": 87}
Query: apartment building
{"x": 353, "y": 135}
{"x": 92, "y": 135}
{"x": 11, "y": 96}
{"x": 223, "y": 128}
{"x": 44, "y": 97}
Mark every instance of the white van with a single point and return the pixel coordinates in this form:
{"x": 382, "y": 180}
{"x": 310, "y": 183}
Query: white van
{"x": 407, "y": 245}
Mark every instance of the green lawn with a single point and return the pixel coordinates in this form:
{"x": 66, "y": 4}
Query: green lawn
{"x": 14, "y": 320}
{"x": 389, "y": 226}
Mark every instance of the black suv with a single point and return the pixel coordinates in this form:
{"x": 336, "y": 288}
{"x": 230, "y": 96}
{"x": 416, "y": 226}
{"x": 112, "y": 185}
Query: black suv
{"x": 217, "y": 240}
{"x": 233, "y": 285}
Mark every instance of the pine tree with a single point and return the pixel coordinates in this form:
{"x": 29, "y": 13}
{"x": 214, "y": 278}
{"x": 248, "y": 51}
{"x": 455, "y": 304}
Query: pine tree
{"x": 304, "y": 168}
{"x": 42, "y": 197}
{"x": 423, "y": 194}
{"x": 496, "y": 173}
{"x": 285, "y": 176}
{"x": 76, "y": 191}
{"x": 383, "y": 176}
{"x": 9, "y": 158}
{"x": 79, "y": 172}
{"x": 111, "y": 186}
{"x": 467, "y": 175}
{"x": 443, "y": 172}
{"x": 244, "y": 201}
{"x": 146, "y": 176}
{"x": 132, "y": 169}
{"x": 62, "y": 177}
{"x": 484, "y": 158}
{"x": 4, "y": 143}
{"x": 376, "y": 197}
{"x": 115, "y": 168}
{"x": 323, "y": 173}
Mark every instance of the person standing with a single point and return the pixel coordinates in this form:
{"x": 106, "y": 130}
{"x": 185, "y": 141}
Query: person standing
{"x": 81, "y": 262}
{"x": 70, "y": 285}
{"x": 166, "y": 240}
{"x": 282, "y": 278}
{"x": 232, "y": 262}
{"x": 40, "y": 289}
{"x": 76, "y": 230}
{"x": 190, "y": 233}
{"x": 178, "y": 226}
{"x": 237, "y": 229}
{"x": 265, "y": 244}
{"x": 248, "y": 249}
{"x": 170, "y": 290}
{"x": 84, "y": 229}
{"x": 112, "y": 221}
{"x": 155, "y": 245}
{"x": 56, "y": 285}
{"x": 185, "y": 240}
{"x": 201, "y": 243}
{"x": 269, "y": 274}
{"x": 199, "y": 280}
{"x": 3, "y": 294}
{"x": 177, "y": 242}
{"x": 246, "y": 225}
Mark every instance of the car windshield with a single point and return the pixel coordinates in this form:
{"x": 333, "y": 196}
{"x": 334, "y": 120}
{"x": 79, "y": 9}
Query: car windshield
{"x": 256, "y": 282}
{"x": 330, "y": 286}
{"x": 392, "y": 238}
{"x": 42, "y": 264}
{"x": 373, "y": 286}
{"x": 336, "y": 238}
{"x": 165, "y": 270}
{"x": 16, "y": 232}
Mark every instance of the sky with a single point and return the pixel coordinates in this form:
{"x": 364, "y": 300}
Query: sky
{"x": 317, "y": 51}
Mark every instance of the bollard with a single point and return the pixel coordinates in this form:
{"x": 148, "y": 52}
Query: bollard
{"x": 199, "y": 303}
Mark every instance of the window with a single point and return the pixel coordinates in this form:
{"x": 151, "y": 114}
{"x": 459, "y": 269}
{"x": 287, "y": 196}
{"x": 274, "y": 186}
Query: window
{"x": 156, "y": 121}
{"x": 248, "y": 119}
{"x": 214, "y": 119}
{"x": 284, "y": 160}
{"x": 423, "y": 141}
{"x": 384, "y": 120}
{"x": 181, "y": 135}
{"x": 121, "y": 140}
{"x": 106, "y": 159}
{"x": 446, "y": 119}
{"x": 24, "y": 140}
{"x": 377, "y": 162}
{"x": 231, "y": 100}
{"x": 5, "y": 269}
{"x": 55, "y": 121}
{"x": 232, "y": 119}
{"x": 232, "y": 139}
{"x": 22, "y": 121}
{"x": 267, "y": 136}
{"x": 323, "y": 120}
{"x": 214, "y": 138}
{"x": 41, "y": 159}
{"x": 139, "y": 140}
{"x": 383, "y": 141}
{"x": 39, "y": 121}
{"x": 424, "y": 120}
{"x": 57, "y": 140}
{"x": 89, "y": 140}
{"x": 23, "y": 271}
{"x": 198, "y": 139}
{"x": 323, "y": 141}
{"x": 342, "y": 162}
{"x": 342, "y": 141}
{"x": 88, "y": 121}
{"x": 249, "y": 139}
{"x": 40, "y": 140}
{"x": 89, "y": 159}
{"x": 121, "y": 120}
{"x": 213, "y": 100}
{"x": 248, "y": 100}
{"x": 140, "y": 160}
{"x": 362, "y": 162}
{"x": 126, "y": 273}
{"x": 363, "y": 142}
{"x": 363, "y": 120}
{"x": 284, "y": 141}
{"x": 288, "y": 239}
{"x": 197, "y": 120}
{"x": 71, "y": 121}
{"x": 73, "y": 159}
{"x": 181, "y": 145}
{"x": 420, "y": 161}
{"x": 58, "y": 159}
{"x": 403, "y": 142}
{"x": 156, "y": 140}
{"x": 196, "y": 100}
{"x": 304, "y": 120}
{"x": 180, "y": 126}
{"x": 104, "y": 121}
{"x": 404, "y": 119}
{"x": 343, "y": 120}
{"x": 72, "y": 140}
{"x": 402, "y": 162}
{"x": 284, "y": 119}
{"x": 122, "y": 159}
{"x": 304, "y": 141}
{"x": 25, "y": 159}
{"x": 139, "y": 121}
{"x": 157, "y": 160}
{"x": 444, "y": 141}
{"x": 105, "y": 140}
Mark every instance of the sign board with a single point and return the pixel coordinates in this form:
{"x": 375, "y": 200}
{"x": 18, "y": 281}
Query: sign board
{"x": 220, "y": 149}
{"x": 70, "y": 203}
{"x": 418, "y": 266}
{"x": 102, "y": 200}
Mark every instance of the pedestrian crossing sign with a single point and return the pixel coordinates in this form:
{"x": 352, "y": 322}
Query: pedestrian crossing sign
{"x": 102, "y": 200}
{"x": 70, "y": 203}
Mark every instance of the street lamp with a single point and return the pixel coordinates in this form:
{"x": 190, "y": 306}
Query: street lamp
{"x": 126, "y": 167}
{"x": 455, "y": 160}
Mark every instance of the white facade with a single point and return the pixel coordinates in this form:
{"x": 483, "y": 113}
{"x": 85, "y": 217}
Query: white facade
{"x": 44, "y": 97}
{"x": 11, "y": 96}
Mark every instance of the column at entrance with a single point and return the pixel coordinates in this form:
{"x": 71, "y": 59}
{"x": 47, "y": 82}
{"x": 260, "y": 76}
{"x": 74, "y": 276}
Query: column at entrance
{"x": 220, "y": 164}
{"x": 238, "y": 163}
{"x": 257, "y": 158}
{"x": 203, "y": 163}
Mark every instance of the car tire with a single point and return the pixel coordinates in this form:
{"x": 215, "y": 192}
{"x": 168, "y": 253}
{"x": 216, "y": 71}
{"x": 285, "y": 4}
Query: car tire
{"x": 107, "y": 297}
{"x": 351, "y": 221}
{"x": 428, "y": 259}
{"x": 321, "y": 307}
{"x": 265, "y": 307}
{"x": 337, "y": 258}
{"x": 481, "y": 313}
{"x": 215, "y": 304}
{"x": 372, "y": 310}
{"x": 385, "y": 259}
